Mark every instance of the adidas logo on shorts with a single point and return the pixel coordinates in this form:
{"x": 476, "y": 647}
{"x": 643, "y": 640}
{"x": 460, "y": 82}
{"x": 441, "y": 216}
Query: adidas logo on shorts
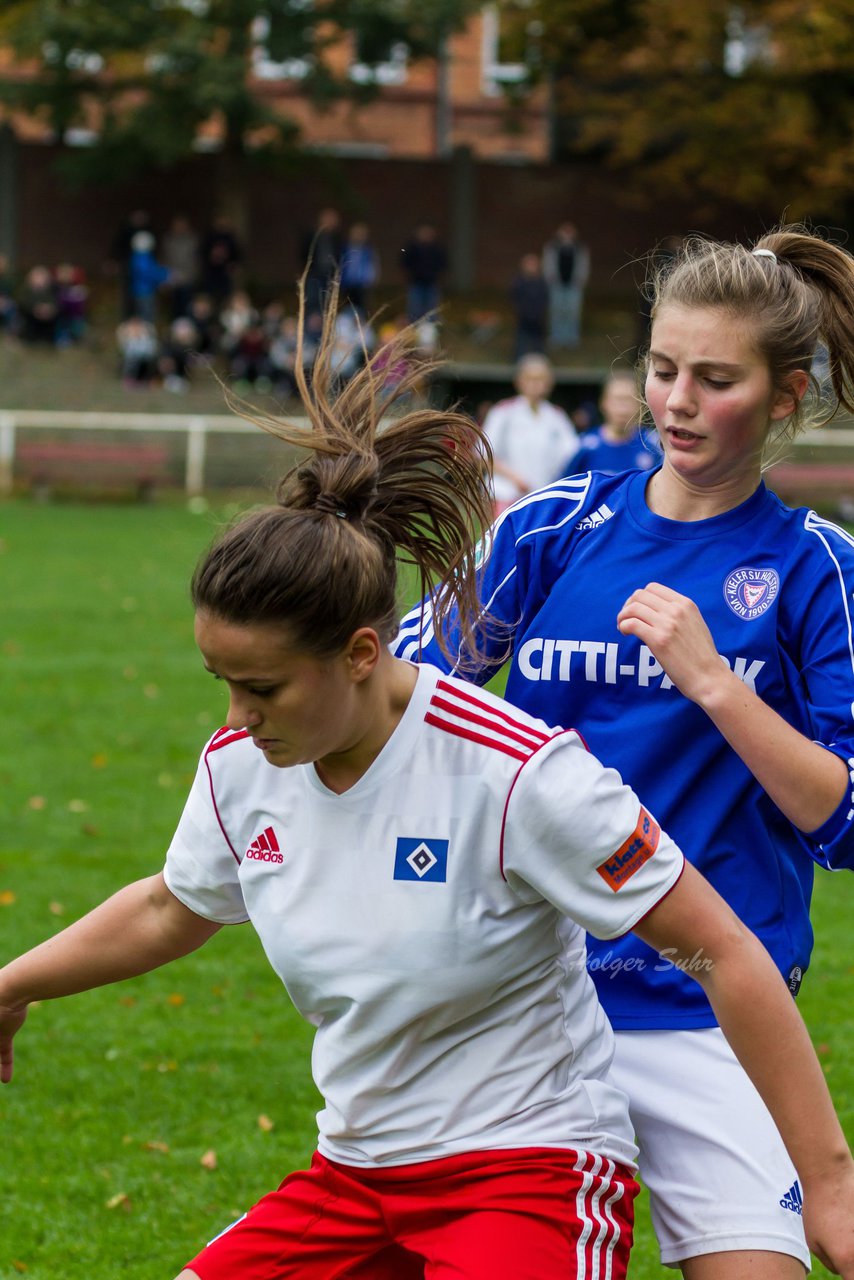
{"x": 793, "y": 1199}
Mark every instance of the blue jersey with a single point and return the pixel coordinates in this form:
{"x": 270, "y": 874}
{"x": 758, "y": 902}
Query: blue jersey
{"x": 774, "y": 586}
{"x": 640, "y": 451}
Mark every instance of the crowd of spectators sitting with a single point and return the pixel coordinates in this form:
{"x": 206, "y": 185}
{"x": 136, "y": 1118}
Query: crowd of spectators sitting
{"x": 49, "y": 307}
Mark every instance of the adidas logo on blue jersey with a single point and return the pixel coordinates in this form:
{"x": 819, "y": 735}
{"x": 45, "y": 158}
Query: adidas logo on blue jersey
{"x": 793, "y": 1199}
{"x": 599, "y": 516}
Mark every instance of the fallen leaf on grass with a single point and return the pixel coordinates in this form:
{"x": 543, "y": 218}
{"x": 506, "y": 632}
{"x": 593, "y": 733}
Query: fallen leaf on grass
{"x": 208, "y": 1160}
{"x": 19, "y": 1266}
{"x": 176, "y": 999}
{"x": 265, "y": 1123}
{"x": 120, "y": 1201}
{"x": 99, "y": 760}
{"x": 77, "y": 806}
{"x": 56, "y": 908}
{"x": 37, "y": 802}
{"x": 162, "y": 1147}
{"x": 7, "y": 897}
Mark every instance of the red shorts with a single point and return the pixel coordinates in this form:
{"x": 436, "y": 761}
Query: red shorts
{"x": 534, "y": 1214}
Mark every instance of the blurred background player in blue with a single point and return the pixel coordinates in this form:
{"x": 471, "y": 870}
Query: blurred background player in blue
{"x": 618, "y": 443}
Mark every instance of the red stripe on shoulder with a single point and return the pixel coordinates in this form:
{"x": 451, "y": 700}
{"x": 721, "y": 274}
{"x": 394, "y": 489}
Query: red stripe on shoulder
{"x": 225, "y": 737}
{"x": 465, "y": 695}
{"x": 222, "y": 738}
{"x": 457, "y": 731}
{"x": 530, "y": 739}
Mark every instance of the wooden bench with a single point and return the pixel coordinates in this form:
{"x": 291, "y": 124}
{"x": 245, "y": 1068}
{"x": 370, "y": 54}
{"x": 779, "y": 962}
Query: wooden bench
{"x": 73, "y": 464}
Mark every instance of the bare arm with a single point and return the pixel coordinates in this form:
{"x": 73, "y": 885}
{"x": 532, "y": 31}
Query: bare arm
{"x": 502, "y": 469}
{"x": 695, "y": 927}
{"x": 140, "y": 928}
{"x": 805, "y": 781}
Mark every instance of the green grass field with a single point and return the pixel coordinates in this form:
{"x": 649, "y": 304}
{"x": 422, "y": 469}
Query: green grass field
{"x": 144, "y": 1117}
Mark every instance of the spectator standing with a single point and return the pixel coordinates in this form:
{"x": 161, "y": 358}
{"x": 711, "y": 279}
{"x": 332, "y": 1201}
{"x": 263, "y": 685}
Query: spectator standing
{"x": 531, "y": 439}
{"x": 566, "y": 268}
{"x": 360, "y": 268}
{"x": 529, "y": 295}
{"x": 120, "y": 254}
{"x": 618, "y": 443}
{"x": 221, "y": 258}
{"x": 424, "y": 263}
{"x": 147, "y": 275}
{"x": 322, "y": 250}
{"x": 180, "y": 255}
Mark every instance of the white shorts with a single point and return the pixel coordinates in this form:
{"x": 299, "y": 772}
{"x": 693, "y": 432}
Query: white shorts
{"x": 717, "y": 1173}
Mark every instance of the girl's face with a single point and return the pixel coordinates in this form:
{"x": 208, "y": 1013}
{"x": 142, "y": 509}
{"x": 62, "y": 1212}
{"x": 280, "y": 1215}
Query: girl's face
{"x": 297, "y": 708}
{"x": 710, "y": 394}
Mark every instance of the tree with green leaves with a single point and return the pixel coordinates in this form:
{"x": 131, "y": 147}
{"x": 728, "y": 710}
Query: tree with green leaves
{"x": 145, "y": 76}
{"x": 719, "y": 100}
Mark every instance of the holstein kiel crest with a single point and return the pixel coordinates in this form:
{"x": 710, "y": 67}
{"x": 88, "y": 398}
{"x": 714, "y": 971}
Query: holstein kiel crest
{"x": 749, "y": 592}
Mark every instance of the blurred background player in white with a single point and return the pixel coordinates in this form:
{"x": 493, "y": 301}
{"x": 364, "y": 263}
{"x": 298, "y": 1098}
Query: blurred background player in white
{"x": 618, "y": 443}
{"x": 411, "y": 854}
{"x": 623, "y": 594}
{"x": 532, "y": 440}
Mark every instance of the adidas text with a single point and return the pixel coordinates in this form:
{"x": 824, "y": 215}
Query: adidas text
{"x": 264, "y": 855}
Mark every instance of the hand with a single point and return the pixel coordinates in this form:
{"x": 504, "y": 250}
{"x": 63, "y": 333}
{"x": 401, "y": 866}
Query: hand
{"x": 11, "y": 1021}
{"x": 829, "y": 1221}
{"x": 673, "y": 629}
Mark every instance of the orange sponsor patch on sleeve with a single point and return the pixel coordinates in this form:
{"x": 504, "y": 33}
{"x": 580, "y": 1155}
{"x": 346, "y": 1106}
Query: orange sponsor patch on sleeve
{"x": 633, "y": 853}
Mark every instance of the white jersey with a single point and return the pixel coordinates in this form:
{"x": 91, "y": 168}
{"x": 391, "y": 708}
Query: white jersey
{"x": 535, "y": 443}
{"x": 418, "y": 921}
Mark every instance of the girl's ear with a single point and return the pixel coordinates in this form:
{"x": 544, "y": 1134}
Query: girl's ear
{"x": 787, "y": 399}
{"x": 362, "y": 653}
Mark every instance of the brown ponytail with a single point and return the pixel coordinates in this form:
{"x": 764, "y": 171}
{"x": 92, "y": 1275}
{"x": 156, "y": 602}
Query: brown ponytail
{"x": 373, "y": 489}
{"x": 795, "y": 290}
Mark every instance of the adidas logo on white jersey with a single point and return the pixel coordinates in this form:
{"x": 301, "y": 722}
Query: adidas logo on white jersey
{"x": 265, "y": 848}
{"x": 597, "y": 517}
{"x": 793, "y": 1199}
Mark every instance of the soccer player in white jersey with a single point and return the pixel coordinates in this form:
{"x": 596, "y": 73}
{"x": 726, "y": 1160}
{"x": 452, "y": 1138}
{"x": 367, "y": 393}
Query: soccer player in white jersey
{"x": 532, "y": 440}
{"x": 622, "y": 595}
{"x": 420, "y": 860}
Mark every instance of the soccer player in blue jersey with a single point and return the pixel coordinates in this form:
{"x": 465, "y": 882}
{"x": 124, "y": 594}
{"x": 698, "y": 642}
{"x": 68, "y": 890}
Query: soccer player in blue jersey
{"x": 698, "y": 632}
{"x": 618, "y": 443}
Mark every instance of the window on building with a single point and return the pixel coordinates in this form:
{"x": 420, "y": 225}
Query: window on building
{"x": 264, "y": 66}
{"x": 508, "y": 39}
{"x": 378, "y": 62}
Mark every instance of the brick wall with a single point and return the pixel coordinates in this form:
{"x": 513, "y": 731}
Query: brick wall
{"x": 513, "y": 209}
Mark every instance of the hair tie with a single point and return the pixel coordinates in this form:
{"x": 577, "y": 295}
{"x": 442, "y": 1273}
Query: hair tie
{"x": 765, "y": 253}
{"x": 328, "y": 505}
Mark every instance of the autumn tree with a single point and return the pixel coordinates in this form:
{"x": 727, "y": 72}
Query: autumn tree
{"x": 749, "y": 102}
{"x": 145, "y": 78}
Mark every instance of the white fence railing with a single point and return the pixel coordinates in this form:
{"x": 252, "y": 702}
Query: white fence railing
{"x": 196, "y": 427}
